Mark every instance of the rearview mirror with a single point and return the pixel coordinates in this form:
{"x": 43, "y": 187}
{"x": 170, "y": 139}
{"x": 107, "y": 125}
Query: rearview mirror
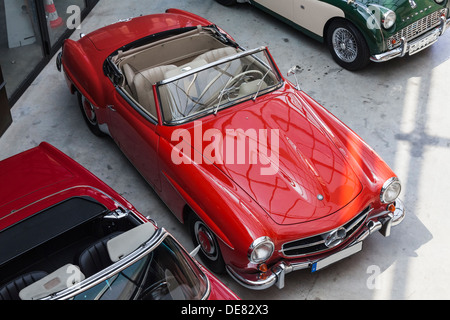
{"x": 294, "y": 71}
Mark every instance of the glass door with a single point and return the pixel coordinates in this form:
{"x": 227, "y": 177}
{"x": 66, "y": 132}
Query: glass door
{"x": 61, "y": 16}
{"x": 21, "y": 48}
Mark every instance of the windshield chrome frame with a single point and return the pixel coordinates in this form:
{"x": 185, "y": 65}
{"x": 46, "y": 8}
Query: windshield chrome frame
{"x": 210, "y": 65}
{"x": 159, "y": 236}
{"x": 245, "y": 53}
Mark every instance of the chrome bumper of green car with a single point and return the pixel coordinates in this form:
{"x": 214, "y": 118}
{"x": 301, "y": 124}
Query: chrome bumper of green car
{"x": 415, "y": 45}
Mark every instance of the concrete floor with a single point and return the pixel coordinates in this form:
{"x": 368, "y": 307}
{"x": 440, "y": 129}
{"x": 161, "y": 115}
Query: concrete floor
{"x": 401, "y": 108}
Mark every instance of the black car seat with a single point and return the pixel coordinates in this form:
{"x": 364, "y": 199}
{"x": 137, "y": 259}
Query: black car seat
{"x": 10, "y": 291}
{"x": 96, "y": 257}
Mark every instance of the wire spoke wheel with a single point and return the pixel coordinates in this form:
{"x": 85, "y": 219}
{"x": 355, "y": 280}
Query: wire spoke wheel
{"x": 347, "y": 45}
{"x": 344, "y": 44}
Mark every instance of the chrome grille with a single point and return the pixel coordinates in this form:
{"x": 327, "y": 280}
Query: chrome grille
{"x": 415, "y": 29}
{"x": 316, "y": 244}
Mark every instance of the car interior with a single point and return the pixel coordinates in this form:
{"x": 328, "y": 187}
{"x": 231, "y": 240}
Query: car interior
{"x": 76, "y": 235}
{"x": 166, "y": 58}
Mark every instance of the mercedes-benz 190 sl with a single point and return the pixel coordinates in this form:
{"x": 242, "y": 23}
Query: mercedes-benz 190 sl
{"x": 267, "y": 180}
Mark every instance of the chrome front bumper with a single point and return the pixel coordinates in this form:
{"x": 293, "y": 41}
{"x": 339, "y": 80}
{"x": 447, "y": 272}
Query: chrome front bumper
{"x": 421, "y": 43}
{"x": 276, "y": 275}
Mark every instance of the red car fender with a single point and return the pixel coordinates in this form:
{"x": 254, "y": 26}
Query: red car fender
{"x": 356, "y": 150}
{"x": 199, "y": 211}
{"x": 225, "y": 218}
{"x": 85, "y": 78}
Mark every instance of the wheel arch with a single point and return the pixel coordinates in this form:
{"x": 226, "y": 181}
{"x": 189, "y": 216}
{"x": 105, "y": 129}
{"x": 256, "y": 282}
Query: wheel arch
{"x": 374, "y": 37}
{"x": 80, "y": 71}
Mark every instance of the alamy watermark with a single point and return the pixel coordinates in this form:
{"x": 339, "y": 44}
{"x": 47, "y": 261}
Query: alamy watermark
{"x": 375, "y": 18}
{"x": 373, "y": 281}
{"x": 237, "y": 146}
{"x": 74, "y": 20}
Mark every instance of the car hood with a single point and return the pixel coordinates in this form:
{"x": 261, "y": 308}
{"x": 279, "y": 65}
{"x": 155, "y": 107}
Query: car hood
{"x": 292, "y": 169}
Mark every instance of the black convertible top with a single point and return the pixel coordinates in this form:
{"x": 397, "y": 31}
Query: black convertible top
{"x": 46, "y": 225}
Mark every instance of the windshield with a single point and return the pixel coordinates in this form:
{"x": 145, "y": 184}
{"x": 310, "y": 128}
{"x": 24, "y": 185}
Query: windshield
{"x": 166, "y": 273}
{"x": 241, "y": 77}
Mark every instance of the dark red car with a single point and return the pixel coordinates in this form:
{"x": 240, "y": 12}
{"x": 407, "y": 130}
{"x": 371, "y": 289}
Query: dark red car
{"x": 267, "y": 180}
{"x": 64, "y": 234}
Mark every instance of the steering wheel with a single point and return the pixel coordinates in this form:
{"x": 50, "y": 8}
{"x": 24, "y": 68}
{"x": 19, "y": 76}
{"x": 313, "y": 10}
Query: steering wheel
{"x": 232, "y": 81}
{"x": 240, "y": 75}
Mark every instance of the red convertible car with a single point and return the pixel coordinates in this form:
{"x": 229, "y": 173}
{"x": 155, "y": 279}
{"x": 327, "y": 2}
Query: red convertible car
{"x": 64, "y": 234}
{"x": 266, "y": 179}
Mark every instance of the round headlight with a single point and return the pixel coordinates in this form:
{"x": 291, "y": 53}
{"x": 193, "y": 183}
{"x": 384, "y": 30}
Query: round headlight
{"x": 389, "y": 19}
{"x": 261, "y": 250}
{"x": 390, "y": 190}
{"x": 439, "y": 1}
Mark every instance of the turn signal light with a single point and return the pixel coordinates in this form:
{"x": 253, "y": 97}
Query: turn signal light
{"x": 263, "y": 267}
{"x": 391, "y": 207}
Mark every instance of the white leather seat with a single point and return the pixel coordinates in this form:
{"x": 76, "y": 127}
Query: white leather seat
{"x": 129, "y": 76}
{"x": 215, "y": 81}
{"x": 143, "y": 82}
{"x": 216, "y": 54}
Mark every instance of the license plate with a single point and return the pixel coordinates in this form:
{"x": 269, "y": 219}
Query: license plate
{"x": 336, "y": 257}
{"x": 423, "y": 43}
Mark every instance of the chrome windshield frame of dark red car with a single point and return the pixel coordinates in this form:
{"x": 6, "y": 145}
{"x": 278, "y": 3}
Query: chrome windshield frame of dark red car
{"x": 195, "y": 71}
{"x": 145, "y": 249}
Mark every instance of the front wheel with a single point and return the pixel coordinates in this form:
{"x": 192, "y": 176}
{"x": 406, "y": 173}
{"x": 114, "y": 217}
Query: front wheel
{"x": 89, "y": 115}
{"x": 347, "y": 45}
{"x": 209, "y": 246}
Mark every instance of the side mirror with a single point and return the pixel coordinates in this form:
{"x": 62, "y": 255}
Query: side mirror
{"x": 294, "y": 71}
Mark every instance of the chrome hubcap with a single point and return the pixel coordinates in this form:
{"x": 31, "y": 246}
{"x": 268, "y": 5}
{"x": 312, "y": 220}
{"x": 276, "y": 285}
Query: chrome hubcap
{"x": 89, "y": 110}
{"x": 344, "y": 44}
{"x": 206, "y": 240}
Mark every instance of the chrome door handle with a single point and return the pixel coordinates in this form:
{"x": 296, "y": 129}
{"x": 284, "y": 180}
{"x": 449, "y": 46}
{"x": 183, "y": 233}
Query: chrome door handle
{"x": 110, "y": 107}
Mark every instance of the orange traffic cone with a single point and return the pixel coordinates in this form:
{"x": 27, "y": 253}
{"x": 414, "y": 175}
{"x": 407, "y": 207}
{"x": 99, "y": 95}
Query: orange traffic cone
{"x": 55, "y": 20}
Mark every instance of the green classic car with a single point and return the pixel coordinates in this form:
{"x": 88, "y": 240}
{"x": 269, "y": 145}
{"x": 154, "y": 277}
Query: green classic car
{"x": 357, "y": 31}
